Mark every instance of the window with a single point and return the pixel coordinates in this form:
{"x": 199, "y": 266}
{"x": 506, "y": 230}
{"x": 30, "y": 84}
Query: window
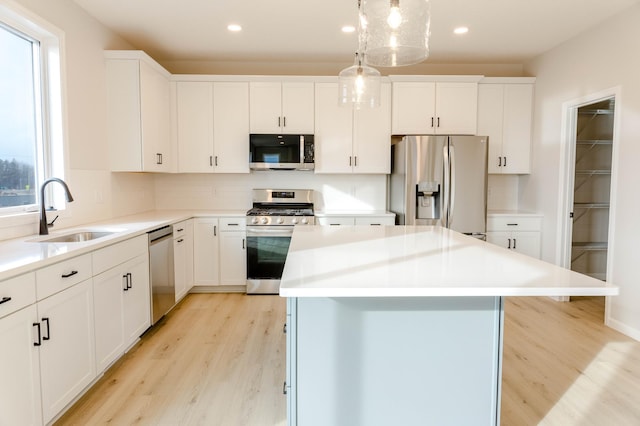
{"x": 30, "y": 108}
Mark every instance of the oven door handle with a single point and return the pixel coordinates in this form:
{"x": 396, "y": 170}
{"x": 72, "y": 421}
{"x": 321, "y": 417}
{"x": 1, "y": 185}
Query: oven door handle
{"x": 271, "y": 231}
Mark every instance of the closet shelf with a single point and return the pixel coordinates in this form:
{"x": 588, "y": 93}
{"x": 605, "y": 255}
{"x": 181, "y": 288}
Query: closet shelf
{"x": 594, "y": 142}
{"x": 595, "y": 112}
{"x": 591, "y": 205}
{"x": 593, "y": 172}
{"x": 590, "y": 246}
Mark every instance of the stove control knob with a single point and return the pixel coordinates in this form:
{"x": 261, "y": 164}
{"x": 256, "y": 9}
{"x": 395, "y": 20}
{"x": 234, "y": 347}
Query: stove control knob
{"x": 264, "y": 220}
{"x": 254, "y": 220}
{"x": 294, "y": 221}
{"x": 280, "y": 221}
{"x": 305, "y": 221}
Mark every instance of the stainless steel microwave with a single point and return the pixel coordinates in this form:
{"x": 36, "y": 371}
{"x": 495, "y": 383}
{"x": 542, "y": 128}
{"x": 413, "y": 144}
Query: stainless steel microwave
{"x": 281, "y": 152}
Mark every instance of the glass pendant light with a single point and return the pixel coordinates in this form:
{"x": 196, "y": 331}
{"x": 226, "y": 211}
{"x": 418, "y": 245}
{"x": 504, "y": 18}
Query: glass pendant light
{"x": 397, "y": 31}
{"x": 359, "y": 85}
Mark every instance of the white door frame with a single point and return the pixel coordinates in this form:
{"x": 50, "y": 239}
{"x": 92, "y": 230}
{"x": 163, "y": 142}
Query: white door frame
{"x": 567, "y": 170}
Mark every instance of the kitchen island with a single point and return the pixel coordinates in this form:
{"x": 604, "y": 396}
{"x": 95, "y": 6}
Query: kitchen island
{"x": 403, "y": 325}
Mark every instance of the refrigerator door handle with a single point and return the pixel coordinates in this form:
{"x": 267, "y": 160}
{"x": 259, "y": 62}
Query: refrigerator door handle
{"x": 444, "y": 205}
{"x": 452, "y": 183}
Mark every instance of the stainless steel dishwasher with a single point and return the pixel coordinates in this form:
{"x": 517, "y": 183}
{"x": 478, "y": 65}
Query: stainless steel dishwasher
{"x": 161, "y": 275}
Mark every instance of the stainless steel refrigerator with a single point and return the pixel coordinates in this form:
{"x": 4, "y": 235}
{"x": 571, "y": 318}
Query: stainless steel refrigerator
{"x": 440, "y": 180}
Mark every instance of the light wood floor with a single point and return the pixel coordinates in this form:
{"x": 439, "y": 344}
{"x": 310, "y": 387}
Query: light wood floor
{"x": 219, "y": 359}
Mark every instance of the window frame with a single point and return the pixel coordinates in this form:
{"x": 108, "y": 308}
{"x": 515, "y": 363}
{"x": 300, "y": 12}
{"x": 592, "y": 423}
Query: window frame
{"x": 49, "y": 90}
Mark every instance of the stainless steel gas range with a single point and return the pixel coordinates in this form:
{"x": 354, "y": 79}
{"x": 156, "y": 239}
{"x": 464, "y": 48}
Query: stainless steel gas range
{"x": 270, "y": 225}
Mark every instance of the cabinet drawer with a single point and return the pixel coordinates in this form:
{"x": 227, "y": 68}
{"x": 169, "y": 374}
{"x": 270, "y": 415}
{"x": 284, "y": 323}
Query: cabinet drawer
{"x": 108, "y": 257}
{"x": 232, "y": 223}
{"x": 336, "y": 220}
{"x": 55, "y": 278}
{"x": 514, "y": 223}
{"x": 16, "y": 293}
{"x": 179, "y": 229}
{"x": 375, "y": 220}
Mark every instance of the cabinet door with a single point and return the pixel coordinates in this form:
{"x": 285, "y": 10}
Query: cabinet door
{"x": 527, "y": 243}
{"x": 233, "y": 258}
{"x": 194, "y": 101}
{"x": 333, "y": 131}
{"x": 372, "y": 136}
{"x": 231, "y": 127}
{"x": 67, "y": 358}
{"x": 516, "y": 144}
{"x": 108, "y": 304}
{"x": 137, "y": 299}
{"x": 490, "y": 122}
{"x": 502, "y": 239}
{"x": 155, "y": 114}
{"x": 297, "y": 108}
{"x": 413, "y": 107}
{"x": 20, "y": 369}
{"x": 205, "y": 252}
{"x": 456, "y": 108}
{"x": 265, "y": 107}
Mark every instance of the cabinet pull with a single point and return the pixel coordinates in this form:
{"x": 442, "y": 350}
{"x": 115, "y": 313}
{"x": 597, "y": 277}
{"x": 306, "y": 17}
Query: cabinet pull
{"x": 355, "y": 161}
{"x": 284, "y": 387}
{"x": 243, "y": 244}
{"x": 284, "y": 328}
{"x": 505, "y": 161}
{"x": 129, "y": 280}
{"x": 431, "y": 121}
{"x": 48, "y": 336}
{"x": 514, "y": 243}
{"x": 375, "y": 224}
{"x": 509, "y": 246}
{"x": 512, "y": 224}
{"x": 5, "y": 300}
{"x": 216, "y": 160}
{"x": 215, "y": 231}
{"x": 279, "y": 122}
{"x": 180, "y": 240}
{"x": 233, "y": 224}
{"x": 284, "y": 121}
{"x": 181, "y": 229}
{"x": 158, "y": 158}
{"x": 499, "y": 161}
{"x": 70, "y": 274}
{"x": 438, "y": 121}
{"x": 125, "y": 279}
{"x": 211, "y": 160}
{"x": 39, "y": 342}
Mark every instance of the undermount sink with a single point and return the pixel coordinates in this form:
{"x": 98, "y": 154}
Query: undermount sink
{"x": 76, "y": 237}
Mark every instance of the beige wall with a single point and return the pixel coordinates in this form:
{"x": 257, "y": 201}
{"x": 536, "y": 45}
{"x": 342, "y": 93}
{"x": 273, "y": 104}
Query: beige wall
{"x": 597, "y": 60}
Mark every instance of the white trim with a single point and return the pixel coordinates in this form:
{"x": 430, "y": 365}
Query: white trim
{"x": 508, "y": 80}
{"x": 566, "y": 181}
{"x": 436, "y": 78}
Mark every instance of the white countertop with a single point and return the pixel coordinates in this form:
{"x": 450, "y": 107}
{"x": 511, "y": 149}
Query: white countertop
{"x": 407, "y": 261}
{"x": 25, "y": 254}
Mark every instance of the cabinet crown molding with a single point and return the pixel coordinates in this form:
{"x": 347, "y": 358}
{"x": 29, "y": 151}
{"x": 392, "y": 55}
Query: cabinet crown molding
{"x": 436, "y": 78}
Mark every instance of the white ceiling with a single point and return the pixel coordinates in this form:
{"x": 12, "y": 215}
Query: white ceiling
{"x": 501, "y": 31}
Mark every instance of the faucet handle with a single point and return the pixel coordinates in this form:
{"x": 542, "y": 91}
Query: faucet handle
{"x": 50, "y": 224}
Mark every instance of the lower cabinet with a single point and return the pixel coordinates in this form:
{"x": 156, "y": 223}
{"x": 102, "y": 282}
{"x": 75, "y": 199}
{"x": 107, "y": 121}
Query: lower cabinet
{"x": 520, "y": 233}
{"x": 20, "y": 402}
{"x": 66, "y": 338}
{"x": 219, "y": 251}
{"x": 122, "y": 308}
{"x": 183, "y": 257}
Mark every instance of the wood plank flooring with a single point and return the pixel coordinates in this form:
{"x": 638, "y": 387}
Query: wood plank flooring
{"x": 219, "y": 359}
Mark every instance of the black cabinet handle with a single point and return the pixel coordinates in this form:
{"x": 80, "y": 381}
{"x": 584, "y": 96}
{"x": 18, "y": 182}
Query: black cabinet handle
{"x": 431, "y": 121}
{"x": 211, "y": 160}
{"x": 70, "y": 274}
{"x": 39, "y": 342}
{"x": 215, "y": 230}
{"x": 284, "y": 328}
{"x": 5, "y": 300}
{"x": 499, "y": 161}
{"x": 438, "y": 121}
{"x": 509, "y": 246}
{"x": 514, "y": 243}
{"x": 243, "y": 244}
{"x": 505, "y": 161}
{"x": 181, "y": 229}
{"x": 284, "y": 121}
{"x": 279, "y": 122}
{"x": 125, "y": 277}
{"x": 180, "y": 240}
{"x": 284, "y": 388}
{"x": 48, "y": 336}
{"x": 216, "y": 162}
{"x": 129, "y": 280}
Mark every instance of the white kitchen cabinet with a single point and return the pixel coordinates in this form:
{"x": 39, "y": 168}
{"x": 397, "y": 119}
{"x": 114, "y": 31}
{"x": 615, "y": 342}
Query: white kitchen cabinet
{"x": 20, "y": 402}
{"x": 122, "y": 308}
{"x": 206, "y": 252}
{"x": 67, "y": 352}
{"x": 520, "y": 233}
{"x": 212, "y": 126}
{"x": 349, "y": 140}
{"x": 434, "y": 108}
{"x": 365, "y": 219}
{"x": 281, "y": 107}
{"x": 233, "y": 254}
{"x": 138, "y": 113}
{"x": 505, "y": 114}
{"x": 183, "y": 257}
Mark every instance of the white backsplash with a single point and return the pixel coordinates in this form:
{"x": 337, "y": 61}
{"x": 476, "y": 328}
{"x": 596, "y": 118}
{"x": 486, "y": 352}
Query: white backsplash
{"x": 502, "y": 192}
{"x": 233, "y": 192}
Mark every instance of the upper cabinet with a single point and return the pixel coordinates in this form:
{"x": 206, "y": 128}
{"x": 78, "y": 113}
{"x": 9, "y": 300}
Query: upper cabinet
{"x": 505, "y": 114}
{"x": 138, "y": 113}
{"x": 434, "y": 107}
{"x": 212, "y": 126}
{"x": 351, "y": 140}
{"x": 281, "y": 107}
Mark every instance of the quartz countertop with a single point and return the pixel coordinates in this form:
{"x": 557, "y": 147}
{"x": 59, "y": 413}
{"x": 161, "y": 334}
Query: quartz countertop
{"x": 24, "y": 254}
{"x": 410, "y": 261}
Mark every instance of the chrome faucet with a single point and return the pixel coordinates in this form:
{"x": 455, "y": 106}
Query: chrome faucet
{"x": 44, "y": 226}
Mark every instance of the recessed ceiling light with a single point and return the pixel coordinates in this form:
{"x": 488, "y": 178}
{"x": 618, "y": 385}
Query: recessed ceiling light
{"x": 348, "y": 29}
{"x": 461, "y": 30}
{"x": 234, "y": 27}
